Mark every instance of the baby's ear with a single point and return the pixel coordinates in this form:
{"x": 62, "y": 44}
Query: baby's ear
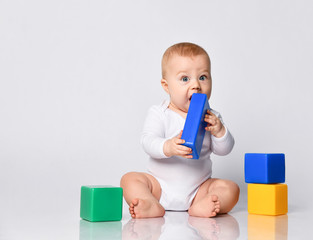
{"x": 164, "y": 85}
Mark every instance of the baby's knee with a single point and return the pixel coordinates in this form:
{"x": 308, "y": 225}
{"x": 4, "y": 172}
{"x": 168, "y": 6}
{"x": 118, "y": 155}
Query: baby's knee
{"x": 233, "y": 187}
{"x": 128, "y": 177}
{"x": 229, "y": 186}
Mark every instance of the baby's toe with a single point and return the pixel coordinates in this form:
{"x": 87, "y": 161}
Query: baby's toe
{"x": 135, "y": 202}
{"x": 213, "y": 214}
{"x": 214, "y": 198}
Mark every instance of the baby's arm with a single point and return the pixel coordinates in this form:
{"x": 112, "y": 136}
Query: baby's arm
{"x": 222, "y": 140}
{"x": 154, "y": 142}
{"x": 152, "y": 138}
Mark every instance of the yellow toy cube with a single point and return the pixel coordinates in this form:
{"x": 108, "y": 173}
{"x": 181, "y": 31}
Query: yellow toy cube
{"x": 267, "y": 199}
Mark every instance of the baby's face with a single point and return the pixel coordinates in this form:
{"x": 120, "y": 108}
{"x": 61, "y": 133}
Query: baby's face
{"x": 185, "y": 76}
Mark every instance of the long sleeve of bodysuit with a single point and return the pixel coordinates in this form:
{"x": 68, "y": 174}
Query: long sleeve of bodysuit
{"x": 153, "y": 138}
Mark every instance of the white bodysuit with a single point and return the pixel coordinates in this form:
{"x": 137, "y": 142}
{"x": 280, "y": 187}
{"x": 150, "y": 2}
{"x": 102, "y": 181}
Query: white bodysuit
{"x": 180, "y": 178}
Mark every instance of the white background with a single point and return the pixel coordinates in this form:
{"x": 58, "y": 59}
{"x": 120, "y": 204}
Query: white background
{"x": 77, "y": 78}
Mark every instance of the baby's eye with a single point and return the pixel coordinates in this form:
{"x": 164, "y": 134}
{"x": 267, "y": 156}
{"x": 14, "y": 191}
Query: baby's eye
{"x": 202, "y": 78}
{"x": 185, "y": 79}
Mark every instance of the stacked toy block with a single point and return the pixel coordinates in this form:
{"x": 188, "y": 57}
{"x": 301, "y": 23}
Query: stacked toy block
{"x": 265, "y": 175}
{"x": 101, "y": 203}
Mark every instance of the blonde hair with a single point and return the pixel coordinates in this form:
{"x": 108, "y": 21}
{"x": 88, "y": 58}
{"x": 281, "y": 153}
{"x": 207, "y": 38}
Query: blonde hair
{"x": 184, "y": 49}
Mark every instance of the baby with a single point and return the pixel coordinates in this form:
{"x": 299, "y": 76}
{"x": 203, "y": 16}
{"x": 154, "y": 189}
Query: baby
{"x": 174, "y": 181}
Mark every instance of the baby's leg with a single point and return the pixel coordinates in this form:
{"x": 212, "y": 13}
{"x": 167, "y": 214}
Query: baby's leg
{"x": 214, "y": 196}
{"x": 142, "y": 193}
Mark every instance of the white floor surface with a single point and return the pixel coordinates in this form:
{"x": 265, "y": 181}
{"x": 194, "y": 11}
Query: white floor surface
{"x": 238, "y": 224}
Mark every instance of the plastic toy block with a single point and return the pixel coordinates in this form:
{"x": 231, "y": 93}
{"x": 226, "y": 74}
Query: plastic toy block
{"x": 194, "y": 129}
{"x": 265, "y": 168}
{"x": 262, "y": 227}
{"x": 267, "y": 199}
{"x": 101, "y": 203}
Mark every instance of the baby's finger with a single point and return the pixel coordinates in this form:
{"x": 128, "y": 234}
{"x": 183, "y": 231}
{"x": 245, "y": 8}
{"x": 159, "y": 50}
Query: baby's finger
{"x": 210, "y": 113}
{"x": 208, "y": 118}
{"x": 179, "y": 141}
{"x": 209, "y": 128}
{"x": 183, "y": 153}
{"x": 211, "y": 121}
{"x": 185, "y": 149}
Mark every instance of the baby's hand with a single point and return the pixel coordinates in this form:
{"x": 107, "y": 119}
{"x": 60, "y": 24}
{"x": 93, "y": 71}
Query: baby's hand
{"x": 174, "y": 147}
{"x": 215, "y": 126}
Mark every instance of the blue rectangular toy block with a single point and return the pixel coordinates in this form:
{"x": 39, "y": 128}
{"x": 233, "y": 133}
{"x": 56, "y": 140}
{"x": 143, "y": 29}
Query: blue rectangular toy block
{"x": 194, "y": 129}
{"x": 265, "y": 168}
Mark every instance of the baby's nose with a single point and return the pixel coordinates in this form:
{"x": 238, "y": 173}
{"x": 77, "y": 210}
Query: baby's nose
{"x": 195, "y": 85}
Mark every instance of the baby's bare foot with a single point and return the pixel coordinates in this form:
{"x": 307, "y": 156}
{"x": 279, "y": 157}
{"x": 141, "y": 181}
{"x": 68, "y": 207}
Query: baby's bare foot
{"x": 144, "y": 208}
{"x": 207, "y": 207}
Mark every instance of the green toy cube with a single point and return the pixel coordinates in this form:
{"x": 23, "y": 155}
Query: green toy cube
{"x": 101, "y": 203}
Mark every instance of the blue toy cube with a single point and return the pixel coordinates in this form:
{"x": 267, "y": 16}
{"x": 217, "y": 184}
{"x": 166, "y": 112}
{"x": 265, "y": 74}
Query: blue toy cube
{"x": 265, "y": 168}
{"x": 194, "y": 129}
